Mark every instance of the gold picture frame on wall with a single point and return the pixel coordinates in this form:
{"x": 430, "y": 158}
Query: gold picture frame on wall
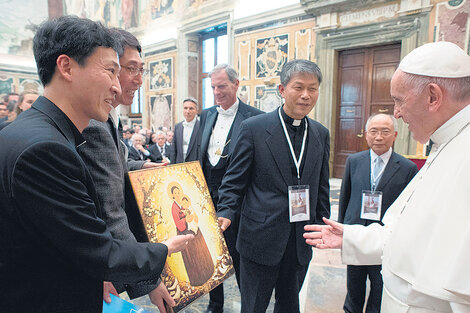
{"x": 175, "y": 200}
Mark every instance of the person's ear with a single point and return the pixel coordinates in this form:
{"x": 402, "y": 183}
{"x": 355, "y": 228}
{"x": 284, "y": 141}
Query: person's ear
{"x": 435, "y": 95}
{"x": 64, "y": 66}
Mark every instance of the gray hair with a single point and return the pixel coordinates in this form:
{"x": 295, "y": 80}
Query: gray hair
{"x": 191, "y": 99}
{"x": 229, "y": 70}
{"x": 391, "y": 117}
{"x": 458, "y": 88}
{"x": 139, "y": 136}
{"x": 294, "y": 67}
{"x": 160, "y": 132}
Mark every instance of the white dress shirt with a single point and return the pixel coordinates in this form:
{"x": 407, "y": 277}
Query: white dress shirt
{"x": 218, "y": 139}
{"x": 187, "y": 132}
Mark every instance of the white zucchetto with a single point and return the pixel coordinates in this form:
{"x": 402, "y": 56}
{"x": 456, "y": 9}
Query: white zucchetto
{"x": 437, "y": 59}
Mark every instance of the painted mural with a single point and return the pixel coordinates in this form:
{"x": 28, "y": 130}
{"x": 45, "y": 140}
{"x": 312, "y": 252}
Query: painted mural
{"x": 271, "y": 55}
{"x": 160, "y": 111}
{"x": 267, "y": 98}
{"x": 161, "y": 74}
{"x": 453, "y": 23}
{"x": 17, "y": 25}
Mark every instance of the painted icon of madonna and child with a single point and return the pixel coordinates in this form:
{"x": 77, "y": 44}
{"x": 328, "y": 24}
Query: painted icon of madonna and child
{"x": 175, "y": 200}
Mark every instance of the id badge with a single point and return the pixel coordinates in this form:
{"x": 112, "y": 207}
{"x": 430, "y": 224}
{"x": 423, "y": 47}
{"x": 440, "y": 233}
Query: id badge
{"x": 371, "y": 205}
{"x": 299, "y": 203}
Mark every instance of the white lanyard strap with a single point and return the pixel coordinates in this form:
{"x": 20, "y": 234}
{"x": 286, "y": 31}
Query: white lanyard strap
{"x": 299, "y": 161}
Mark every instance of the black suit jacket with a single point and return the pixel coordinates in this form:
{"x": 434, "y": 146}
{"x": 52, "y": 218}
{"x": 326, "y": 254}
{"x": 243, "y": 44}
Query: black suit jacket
{"x": 155, "y": 154}
{"x": 259, "y": 175}
{"x": 176, "y": 149}
{"x": 396, "y": 176}
{"x": 54, "y": 247}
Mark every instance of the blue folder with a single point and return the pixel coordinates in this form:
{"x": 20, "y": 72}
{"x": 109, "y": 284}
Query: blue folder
{"x": 119, "y": 305}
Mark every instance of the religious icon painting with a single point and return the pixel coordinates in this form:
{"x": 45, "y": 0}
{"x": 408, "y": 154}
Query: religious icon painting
{"x": 160, "y": 111}
{"x": 175, "y": 200}
{"x": 271, "y": 55}
{"x": 161, "y": 74}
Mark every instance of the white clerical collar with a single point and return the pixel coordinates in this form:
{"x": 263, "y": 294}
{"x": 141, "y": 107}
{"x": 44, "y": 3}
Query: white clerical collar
{"x": 186, "y": 123}
{"x": 384, "y": 156}
{"x": 230, "y": 111}
{"x": 450, "y": 128}
{"x": 114, "y": 116}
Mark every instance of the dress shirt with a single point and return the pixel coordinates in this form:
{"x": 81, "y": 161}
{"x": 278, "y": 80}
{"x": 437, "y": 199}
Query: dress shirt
{"x": 114, "y": 117}
{"x": 220, "y": 132}
{"x": 385, "y": 158}
{"x": 187, "y": 132}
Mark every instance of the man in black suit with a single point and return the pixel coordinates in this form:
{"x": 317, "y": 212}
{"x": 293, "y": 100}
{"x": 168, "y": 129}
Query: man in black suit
{"x": 106, "y": 157}
{"x": 160, "y": 151}
{"x": 184, "y": 147}
{"x": 220, "y": 126}
{"x": 385, "y": 173}
{"x": 281, "y": 160}
{"x": 54, "y": 247}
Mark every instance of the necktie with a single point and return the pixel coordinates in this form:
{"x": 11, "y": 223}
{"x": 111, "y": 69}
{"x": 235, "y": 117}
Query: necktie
{"x": 377, "y": 170}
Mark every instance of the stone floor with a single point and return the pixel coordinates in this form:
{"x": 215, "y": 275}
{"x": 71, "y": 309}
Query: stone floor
{"x": 323, "y": 291}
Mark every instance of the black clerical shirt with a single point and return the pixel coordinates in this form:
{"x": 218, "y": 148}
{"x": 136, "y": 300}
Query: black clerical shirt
{"x": 296, "y": 134}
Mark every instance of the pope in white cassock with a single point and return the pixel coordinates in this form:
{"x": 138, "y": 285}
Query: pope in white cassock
{"x": 424, "y": 245}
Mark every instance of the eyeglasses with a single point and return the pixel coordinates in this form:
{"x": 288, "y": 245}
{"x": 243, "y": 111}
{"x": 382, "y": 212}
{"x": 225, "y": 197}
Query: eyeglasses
{"x": 383, "y": 132}
{"x": 134, "y": 71}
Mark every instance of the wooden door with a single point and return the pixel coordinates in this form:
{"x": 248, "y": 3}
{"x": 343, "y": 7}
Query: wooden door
{"x": 364, "y": 89}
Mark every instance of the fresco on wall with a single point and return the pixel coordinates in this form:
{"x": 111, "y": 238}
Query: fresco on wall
{"x": 267, "y": 98}
{"x": 302, "y": 44}
{"x": 161, "y": 74}
{"x": 244, "y": 57}
{"x": 195, "y": 3}
{"x": 244, "y": 94}
{"x": 160, "y": 111}
{"x": 453, "y": 23}
{"x": 271, "y": 54}
{"x": 30, "y": 84}
{"x": 19, "y": 19}
{"x": 6, "y": 84}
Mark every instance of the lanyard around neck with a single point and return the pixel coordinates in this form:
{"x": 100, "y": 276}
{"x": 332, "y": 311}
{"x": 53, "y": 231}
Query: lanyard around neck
{"x": 299, "y": 161}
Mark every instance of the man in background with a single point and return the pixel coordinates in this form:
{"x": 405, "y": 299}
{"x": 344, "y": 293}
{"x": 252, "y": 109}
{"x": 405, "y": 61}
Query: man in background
{"x": 184, "y": 147}
{"x": 219, "y": 129}
{"x": 380, "y": 174}
{"x": 159, "y": 152}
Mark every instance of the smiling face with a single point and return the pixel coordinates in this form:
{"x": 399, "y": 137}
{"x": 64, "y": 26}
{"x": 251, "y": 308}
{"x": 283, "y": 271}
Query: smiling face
{"x": 300, "y": 94}
{"x": 225, "y": 91}
{"x": 95, "y": 85}
{"x": 161, "y": 139}
{"x": 411, "y": 107}
{"x": 129, "y": 83}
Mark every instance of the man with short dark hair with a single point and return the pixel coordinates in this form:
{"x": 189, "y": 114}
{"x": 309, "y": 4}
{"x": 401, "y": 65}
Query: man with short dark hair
{"x": 184, "y": 146}
{"x": 219, "y": 129}
{"x": 376, "y": 176}
{"x": 105, "y": 156}
{"x": 55, "y": 249}
{"x": 277, "y": 180}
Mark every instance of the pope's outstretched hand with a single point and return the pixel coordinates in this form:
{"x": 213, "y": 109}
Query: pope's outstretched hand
{"x": 329, "y": 236}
